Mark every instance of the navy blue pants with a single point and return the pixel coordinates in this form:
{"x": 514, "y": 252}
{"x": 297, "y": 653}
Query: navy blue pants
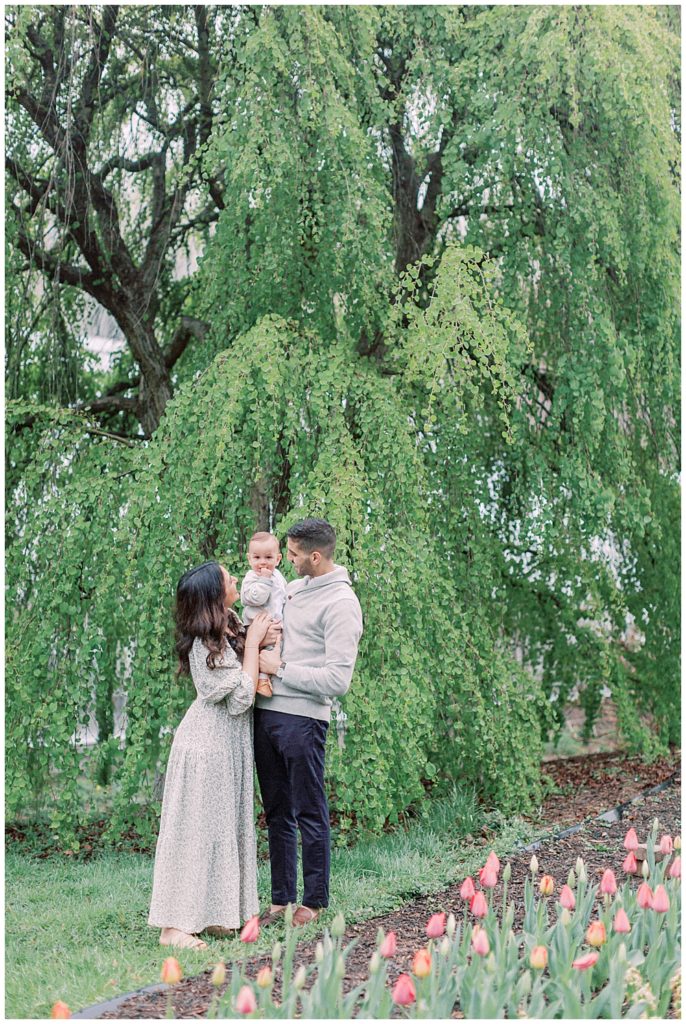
{"x": 289, "y": 757}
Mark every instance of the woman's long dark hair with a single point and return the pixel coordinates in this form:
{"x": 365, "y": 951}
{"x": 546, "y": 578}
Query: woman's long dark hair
{"x": 201, "y": 612}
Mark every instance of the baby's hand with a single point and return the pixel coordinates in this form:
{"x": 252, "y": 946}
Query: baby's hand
{"x": 265, "y": 572}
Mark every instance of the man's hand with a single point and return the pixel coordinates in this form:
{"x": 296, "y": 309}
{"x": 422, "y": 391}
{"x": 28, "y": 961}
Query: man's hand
{"x": 272, "y": 637}
{"x": 270, "y": 660}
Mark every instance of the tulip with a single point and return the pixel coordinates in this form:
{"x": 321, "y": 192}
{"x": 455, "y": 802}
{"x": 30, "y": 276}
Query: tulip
{"x": 251, "y": 930}
{"x": 300, "y": 978}
{"x": 677, "y": 842}
{"x": 644, "y": 896}
{"x": 436, "y": 926}
{"x": 645, "y": 869}
{"x": 630, "y": 865}
{"x": 480, "y": 943}
{"x": 608, "y": 883}
{"x": 421, "y": 965}
{"x": 596, "y": 936}
{"x": 264, "y": 977}
{"x": 492, "y": 861}
{"x": 171, "y": 973}
{"x": 60, "y": 1011}
{"x": 338, "y": 926}
{"x": 478, "y": 906}
{"x": 631, "y": 840}
{"x": 245, "y": 1001}
{"x": 467, "y": 889}
{"x": 666, "y": 845}
{"x": 533, "y": 865}
{"x": 565, "y": 917}
{"x": 219, "y": 975}
{"x": 404, "y": 992}
{"x": 444, "y": 947}
{"x": 488, "y": 877}
{"x": 585, "y": 961}
{"x": 660, "y": 900}
{"x": 451, "y": 925}
{"x": 675, "y": 869}
{"x": 539, "y": 958}
{"x": 375, "y": 964}
{"x": 388, "y": 946}
{"x": 547, "y": 885}
{"x": 567, "y": 899}
{"x": 581, "y": 870}
{"x": 507, "y": 872}
{"x": 621, "y": 922}
{"x": 571, "y": 879}
{"x": 277, "y": 949}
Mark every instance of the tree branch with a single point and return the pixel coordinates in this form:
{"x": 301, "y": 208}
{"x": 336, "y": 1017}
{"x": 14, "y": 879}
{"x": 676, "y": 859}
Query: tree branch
{"x": 190, "y": 327}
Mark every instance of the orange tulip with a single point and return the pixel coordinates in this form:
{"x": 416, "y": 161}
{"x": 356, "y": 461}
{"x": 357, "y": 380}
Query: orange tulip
{"x": 171, "y": 973}
{"x": 539, "y": 958}
{"x": 404, "y": 991}
{"x": 219, "y": 975}
{"x": 596, "y": 935}
{"x": 421, "y": 965}
{"x": 264, "y": 977}
{"x": 60, "y": 1011}
{"x": 547, "y": 885}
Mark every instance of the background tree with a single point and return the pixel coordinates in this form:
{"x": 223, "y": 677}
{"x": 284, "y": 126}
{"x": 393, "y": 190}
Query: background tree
{"x": 442, "y": 310}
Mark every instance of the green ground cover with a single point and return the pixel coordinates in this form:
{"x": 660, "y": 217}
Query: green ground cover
{"x": 77, "y": 931}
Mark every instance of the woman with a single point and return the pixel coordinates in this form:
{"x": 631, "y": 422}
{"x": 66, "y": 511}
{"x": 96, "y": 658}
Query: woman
{"x": 205, "y": 875}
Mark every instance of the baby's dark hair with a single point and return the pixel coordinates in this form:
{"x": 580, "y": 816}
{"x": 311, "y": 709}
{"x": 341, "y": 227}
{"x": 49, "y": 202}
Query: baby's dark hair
{"x": 314, "y": 535}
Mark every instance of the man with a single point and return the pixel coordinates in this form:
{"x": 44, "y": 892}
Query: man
{"x": 322, "y": 626}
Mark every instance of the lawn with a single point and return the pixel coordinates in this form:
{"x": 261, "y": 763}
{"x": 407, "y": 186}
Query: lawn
{"x": 78, "y": 931}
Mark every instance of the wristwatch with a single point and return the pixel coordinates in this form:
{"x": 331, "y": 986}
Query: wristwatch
{"x": 280, "y": 670}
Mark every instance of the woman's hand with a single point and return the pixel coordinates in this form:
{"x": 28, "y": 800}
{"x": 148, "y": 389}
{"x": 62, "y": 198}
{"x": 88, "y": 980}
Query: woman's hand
{"x": 272, "y": 637}
{"x": 257, "y": 630}
{"x": 270, "y": 660}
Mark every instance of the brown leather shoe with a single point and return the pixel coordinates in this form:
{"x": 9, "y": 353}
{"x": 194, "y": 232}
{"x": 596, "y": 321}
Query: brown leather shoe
{"x": 270, "y": 916}
{"x": 304, "y": 915}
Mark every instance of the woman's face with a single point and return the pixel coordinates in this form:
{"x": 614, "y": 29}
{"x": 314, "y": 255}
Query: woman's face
{"x": 231, "y": 593}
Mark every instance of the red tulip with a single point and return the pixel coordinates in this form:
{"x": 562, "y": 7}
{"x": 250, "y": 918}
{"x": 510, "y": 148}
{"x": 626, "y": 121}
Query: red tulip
{"x": 585, "y": 961}
{"x": 171, "y": 973}
{"x": 436, "y": 926}
{"x": 492, "y": 861}
{"x": 60, "y": 1011}
{"x": 478, "y": 906}
{"x": 675, "y": 869}
{"x": 388, "y": 946}
{"x": 644, "y": 896}
{"x": 480, "y": 943}
{"x": 621, "y": 922}
{"x": 630, "y": 865}
{"x": 596, "y": 935}
{"x": 567, "y": 898}
{"x": 245, "y": 1000}
{"x": 608, "y": 883}
{"x": 547, "y": 885}
{"x": 467, "y": 889}
{"x": 666, "y": 846}
{"x": 631, "y": 840}
{"x": 488, "y": 877}
{"x": 539, "y": 958}
{"x": 660, "y": 900}
{"x": 421, "y": 965}
{"x": 251, "y": 930}
{"x": 404, "y": 991}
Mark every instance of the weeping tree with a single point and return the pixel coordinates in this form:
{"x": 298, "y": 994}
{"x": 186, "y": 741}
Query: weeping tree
{"x": 440, "y": 308}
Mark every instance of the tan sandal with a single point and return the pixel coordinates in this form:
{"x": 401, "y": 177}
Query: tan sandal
{"x": 218, "y": 932}
{"x": 305, "y": 915}
{"x": 182, "y": 940}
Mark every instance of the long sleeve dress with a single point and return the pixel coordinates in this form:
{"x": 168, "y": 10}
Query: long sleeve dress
{"x": 206, "y": 858}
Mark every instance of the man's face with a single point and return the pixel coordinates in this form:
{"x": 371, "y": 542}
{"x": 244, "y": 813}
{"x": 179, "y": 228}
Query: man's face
{"x": 301, "y": 560}
{"x": 263, "y": 554}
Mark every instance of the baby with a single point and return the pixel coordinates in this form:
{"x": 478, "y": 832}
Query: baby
{"x": 263, "y": 588}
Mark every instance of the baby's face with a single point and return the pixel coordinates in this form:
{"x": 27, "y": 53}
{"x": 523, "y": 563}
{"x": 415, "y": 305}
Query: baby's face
{"x": 263, "y": 554}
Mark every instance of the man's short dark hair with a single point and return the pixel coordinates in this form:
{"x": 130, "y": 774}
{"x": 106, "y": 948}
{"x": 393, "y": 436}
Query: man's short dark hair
{"x": 314, "y": 535}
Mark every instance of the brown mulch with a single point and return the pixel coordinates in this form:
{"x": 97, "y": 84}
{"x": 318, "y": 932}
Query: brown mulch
{"x": 597, "y": 783}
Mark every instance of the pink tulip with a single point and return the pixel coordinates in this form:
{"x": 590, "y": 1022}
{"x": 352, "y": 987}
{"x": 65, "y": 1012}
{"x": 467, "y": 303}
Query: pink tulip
{"x": 404, "y": 991}
{"x": 60, "y": 1011}
{"x": 644, "y": 896}
{"x": 567, "y": 898}
{"x": 630, "y": 865}
{"x": 388, "y": 946}
{"x": 675, "y": 869}
{"x": 488, "y": 877}
{"x": 585, "y": 961}
{"x": 539, "y": 958}
{"x": 478, "y": 906}
{"x": 608, "y": 883}
{"x": 660, "y": 900}
{"x": 171, "y": 973}
{"x": 245, "y": 1001}
{"x": 436, "y": 926}
{"x": 621, "y": 922}
{"x": 631, "y": 840}
{"x": 467, "y": 889}
{"x": 492, "y": 861}
{"x": 421, "y": 964}
{"x": 666, "y": 846}
{"x": 251, "y": 930}
{"x": 480, "y": 943}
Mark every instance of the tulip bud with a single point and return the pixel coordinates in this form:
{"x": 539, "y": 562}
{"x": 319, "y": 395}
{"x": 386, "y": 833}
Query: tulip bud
{"x": 666, "y": 846}
{"x": 492, "y": 861}
{"x": 467, "y": 889}
{"x": 451, "y": 925}
{"x": 276, "y": 952}
{"x": 547, "y": 885}
{"x": 571, "y": 879}
{"x": 219, "y": 974}
{"x": 319, "y": 953}
{"x": 645, "y": 869}
{"x": 388, "y": 946}
{"x": 171, "y": 973}
{"x": 608, "y": 883}
{"x": 251, "y": 930}
{"x": 644, "y": 896}
{"x": 444, "y": 947}
{"x": 60, "y": 1011}
{"x": 565, "y": 917}
{"x": 421, "y": 965}
{"x": 245, "y": 1001}
{"x": 596, "y": 935}
{"x": 480, "y": 943}
{"x": 631, "y": 840}
{"x": 478, "y": 906}
{"x": 300, "y": 978}
{"x": 338, "y": 926}
{"x": 507, "y": 872}
{"x": 539, "y": 958}
{"x": 264, "y": 977}
{"x": 621, "y": 922}
{"x": 404, "y": 991}
{"x": 675, "y": 869}
{"x": 435, "y": 926}
{"x": 567, "y": 899}
{"x": 533, "y": 865}
{"x": 660, "y": 900}
{"x": 581, "y": 870}
{"x": 677, "y": 842}
{"x": 374, "y": 963}
{"x": 630, "y": 865}
{"x": 621, "y": 953}
{"x": 656, "y": 826}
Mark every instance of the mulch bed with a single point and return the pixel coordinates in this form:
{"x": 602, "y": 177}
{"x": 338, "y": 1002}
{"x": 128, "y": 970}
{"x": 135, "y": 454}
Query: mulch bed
{"x": 599, "y": 782}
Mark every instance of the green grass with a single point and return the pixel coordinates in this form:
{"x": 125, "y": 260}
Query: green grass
{"x": 78, "y": 931}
